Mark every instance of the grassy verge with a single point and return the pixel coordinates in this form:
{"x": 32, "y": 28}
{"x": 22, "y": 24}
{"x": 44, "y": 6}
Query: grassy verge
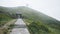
{"x": 5, "y": 22}
{"x": 6, "y": 29}
{"x": 4, "y": 19}
{"x": 37, "y": 27}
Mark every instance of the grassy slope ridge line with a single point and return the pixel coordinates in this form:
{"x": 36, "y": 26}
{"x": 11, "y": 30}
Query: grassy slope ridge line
{"x": 40, "y": 23}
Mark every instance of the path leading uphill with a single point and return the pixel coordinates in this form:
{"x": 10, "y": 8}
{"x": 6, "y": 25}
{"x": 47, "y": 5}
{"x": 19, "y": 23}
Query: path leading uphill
{"x": 20, "y": 27}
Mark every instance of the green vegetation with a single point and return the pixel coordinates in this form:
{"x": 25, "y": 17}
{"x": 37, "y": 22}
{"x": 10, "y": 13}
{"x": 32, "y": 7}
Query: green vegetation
{"x": 4, "y": 19}
{"x": 38, "y": 27}
{"x": 37, "y": 23}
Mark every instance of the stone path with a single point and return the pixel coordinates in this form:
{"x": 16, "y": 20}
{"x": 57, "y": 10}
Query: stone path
{"x": 20, "y": 28}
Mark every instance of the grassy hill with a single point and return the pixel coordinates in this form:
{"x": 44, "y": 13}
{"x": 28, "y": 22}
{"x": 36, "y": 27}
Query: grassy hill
{"x": 37, "y": 22}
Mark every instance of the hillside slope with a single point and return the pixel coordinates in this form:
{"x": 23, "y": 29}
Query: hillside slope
{"x": 37, "y": 22}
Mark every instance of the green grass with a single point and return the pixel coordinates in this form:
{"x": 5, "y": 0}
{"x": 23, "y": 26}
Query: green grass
{"x": 4, "y": 19}
{"x": 38, "y": 27}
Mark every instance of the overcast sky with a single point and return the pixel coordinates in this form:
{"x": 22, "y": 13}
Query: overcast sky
{"x": 49, "y": 7}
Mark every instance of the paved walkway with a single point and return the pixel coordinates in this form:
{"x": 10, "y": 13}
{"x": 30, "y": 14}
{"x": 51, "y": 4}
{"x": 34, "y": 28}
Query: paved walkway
{"x": 20, "y": 28}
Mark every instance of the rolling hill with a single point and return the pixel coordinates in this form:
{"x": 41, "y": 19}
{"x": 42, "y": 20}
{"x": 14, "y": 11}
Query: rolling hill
{"x": 37, "y": 22}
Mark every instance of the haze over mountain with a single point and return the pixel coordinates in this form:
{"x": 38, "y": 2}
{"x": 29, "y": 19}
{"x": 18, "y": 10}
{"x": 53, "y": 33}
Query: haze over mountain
{"x": 49, "y": 7}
